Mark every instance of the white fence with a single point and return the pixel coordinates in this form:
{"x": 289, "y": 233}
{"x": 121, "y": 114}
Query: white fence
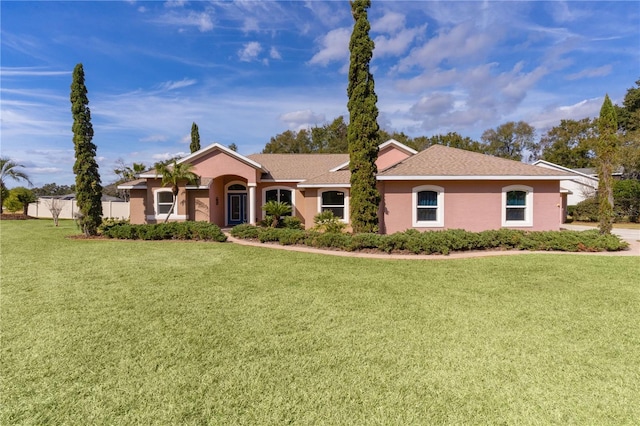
{"x": 110, "y": 209}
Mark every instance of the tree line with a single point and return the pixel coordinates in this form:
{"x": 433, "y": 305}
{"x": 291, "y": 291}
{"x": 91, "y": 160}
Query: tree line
{"x": 571, "y": 143}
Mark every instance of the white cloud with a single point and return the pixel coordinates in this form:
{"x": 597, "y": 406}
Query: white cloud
{"x": 250, "y": 51}
{"x": 335, "y": 47}
{"x": 435, "y": 104}
{"x": 172, "y": 85}
{"x": 201, "y": 20}
{"x": 174, "y": 3}
{"x": 274, "y": 54}
{"x": 154, "y": 138}
{"x": 462, "y": 43}
{"x": 167, "y": 155}
{"x": 591, "y": 72}
{"x": 397, "y": 44}
{"x": 30, "y": 72}
{"x": 390, "y": 22}
{"x": 298, "y": 120}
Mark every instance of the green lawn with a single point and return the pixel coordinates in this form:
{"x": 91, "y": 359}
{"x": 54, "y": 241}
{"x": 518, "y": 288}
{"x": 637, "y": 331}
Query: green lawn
{"x": 129, "y": 332}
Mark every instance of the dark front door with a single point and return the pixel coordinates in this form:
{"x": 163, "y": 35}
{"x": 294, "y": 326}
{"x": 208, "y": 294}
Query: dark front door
{"x": 236, "y": 209}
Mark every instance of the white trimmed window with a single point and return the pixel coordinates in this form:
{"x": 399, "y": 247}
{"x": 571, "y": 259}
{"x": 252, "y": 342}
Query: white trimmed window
{"x": 517, "y": 206}
{"x": 280, "y": 194}
{"x": 163, "y": 199}
{"x": 335, "y": 200}
{"x": 428, "y": 206}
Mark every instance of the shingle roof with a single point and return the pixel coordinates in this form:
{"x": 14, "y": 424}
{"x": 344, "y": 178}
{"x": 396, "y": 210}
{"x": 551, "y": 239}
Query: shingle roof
{"x": 340, "y": 177}
{"x": 297, "y": 166}
{"x": 439, "y": 160}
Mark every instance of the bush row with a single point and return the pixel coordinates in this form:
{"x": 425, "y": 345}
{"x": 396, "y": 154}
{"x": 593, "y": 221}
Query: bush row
{"x": 438, "y": 242}
{"x": 163, "y": 231}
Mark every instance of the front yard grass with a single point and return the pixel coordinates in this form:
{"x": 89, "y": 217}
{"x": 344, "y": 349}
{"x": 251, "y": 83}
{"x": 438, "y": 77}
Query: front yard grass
{"x": 133, "y": 332}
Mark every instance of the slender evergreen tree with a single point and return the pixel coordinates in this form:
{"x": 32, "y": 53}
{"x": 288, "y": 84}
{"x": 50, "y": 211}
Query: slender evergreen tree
{"x": 606, "y": 152}
{"x": 362, "y": 132}
{"x": 88, "y": 185}
{"x": 195, "y": 138}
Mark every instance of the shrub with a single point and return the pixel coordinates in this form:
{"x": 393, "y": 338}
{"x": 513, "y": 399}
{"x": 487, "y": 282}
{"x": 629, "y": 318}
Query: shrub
{"x": 587, "y": 210}
{"x": 326, "y": 221}
{"x": 365, "y": 241}
{"x": 292, "y": 222}
{"x": 164, "y": 231}
{"x": 245, "y": 231}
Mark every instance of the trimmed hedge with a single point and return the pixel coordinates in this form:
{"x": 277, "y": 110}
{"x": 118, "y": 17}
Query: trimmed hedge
{"x": 189, "y": 230}
{"x": 439, "y": 242}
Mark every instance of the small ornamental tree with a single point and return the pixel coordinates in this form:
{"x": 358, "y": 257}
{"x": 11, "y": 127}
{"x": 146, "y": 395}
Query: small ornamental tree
{"x": 19, "y": 199}
{"x": 606, "y": 153}
{"x": 172, "y": 175}
{"x": 88, "y": 186}
{"x": 9, "y": 169}
{"x": 55, "y": 206}
{"x": 195, "y": 138}
{"x": 362, "y": 131}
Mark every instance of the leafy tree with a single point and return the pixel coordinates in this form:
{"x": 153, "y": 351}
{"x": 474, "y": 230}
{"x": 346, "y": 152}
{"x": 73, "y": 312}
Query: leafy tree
{"x": 629, "y": 126}
{"x": 451, "y": 139}
{"x": 88, "y": 186}
{"x": 629, "y": 114}
{"x": 126, "y": 173}
{"x": 276, "y": 210}
{"x": 233, "y": 147}
{"x": 20, "y": 198}
{"x": 570, "y": 144}
{"x": 509, "y": 140}
{"x": 606, "y": 151}
{"x": 172, "y": 175}
{"x": 290, "y": 142}
{"x": 330, "y": 138}
{"x": 53, "y": 189}
{"x": 9, "y": 169}
{"x": 626, "y": 195}
{"x": 362, "y": 132}
{"x": 195, "y": 138}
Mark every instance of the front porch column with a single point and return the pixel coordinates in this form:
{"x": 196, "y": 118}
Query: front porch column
{"x": 252, "y": 203}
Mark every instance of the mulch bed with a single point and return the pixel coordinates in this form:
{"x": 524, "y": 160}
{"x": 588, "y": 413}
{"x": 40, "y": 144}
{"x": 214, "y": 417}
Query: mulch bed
{"x": 16, "y": 216}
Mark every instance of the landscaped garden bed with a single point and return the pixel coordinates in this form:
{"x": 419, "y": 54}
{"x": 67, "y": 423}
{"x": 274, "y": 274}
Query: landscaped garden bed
{"x": 437, "y": 242}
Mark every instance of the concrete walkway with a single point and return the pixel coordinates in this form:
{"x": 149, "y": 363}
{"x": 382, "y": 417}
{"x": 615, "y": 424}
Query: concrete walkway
{"x": 634, "y": 250}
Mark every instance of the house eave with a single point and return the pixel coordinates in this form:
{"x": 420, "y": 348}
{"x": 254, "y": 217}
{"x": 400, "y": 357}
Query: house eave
{"x": 482, "y": 177}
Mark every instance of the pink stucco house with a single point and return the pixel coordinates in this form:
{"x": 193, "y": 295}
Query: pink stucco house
{"x": 438, "y": 188}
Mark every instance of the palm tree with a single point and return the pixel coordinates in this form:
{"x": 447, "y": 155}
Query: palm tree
{"x": 275, "y": 210}
{"x": 172, "y": 174}
{"x": 9, "y": 169}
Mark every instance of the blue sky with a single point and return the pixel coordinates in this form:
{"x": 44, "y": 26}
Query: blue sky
{"x": 245, "y": 71}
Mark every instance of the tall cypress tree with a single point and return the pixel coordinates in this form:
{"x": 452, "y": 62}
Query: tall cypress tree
{"x": 362, "y": 132}
{"x": 88, "y": 186}
{"x": 195, "y": 138}
{"x": 606, "y": 156}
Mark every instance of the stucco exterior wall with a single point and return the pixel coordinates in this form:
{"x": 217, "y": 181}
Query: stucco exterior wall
{"x": 471, "y": 205}
{"x": 219, "y": 163}
{"x": 389, "y": 156}
{"x": 198, "y": 201}
{"x": 310, "y": 206}
{"x": 137, "y": 206}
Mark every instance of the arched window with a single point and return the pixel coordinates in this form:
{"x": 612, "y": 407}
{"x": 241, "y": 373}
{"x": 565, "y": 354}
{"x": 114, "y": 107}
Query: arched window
{"x": 281, "y": 194}
{"x": 428, "y": 206}
{"x": 517, "y": 206}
